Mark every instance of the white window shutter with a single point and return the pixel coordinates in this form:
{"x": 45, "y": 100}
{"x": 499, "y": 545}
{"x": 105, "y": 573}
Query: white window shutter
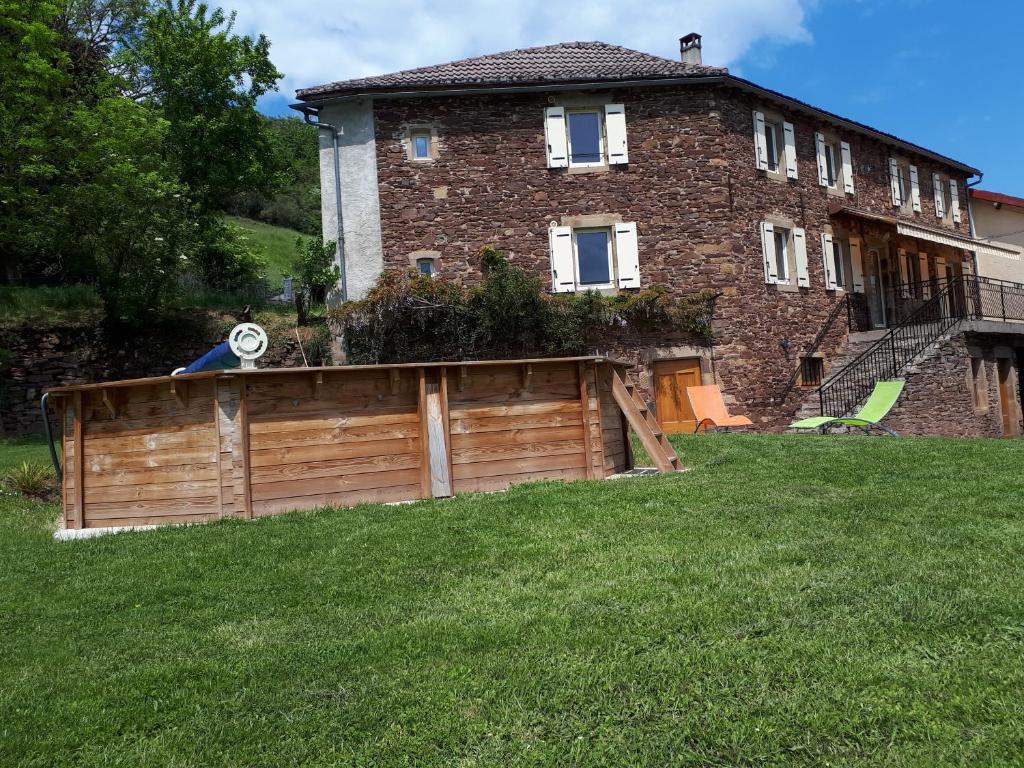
{"x": 760, "y": 145}
{"x": 771, "y": 273}
{"x": 954, "y": 200}
{"x": 915, "y": 189}
{"x": 828, "y": 261}
{"x": 894, "y": 183}
{"x": 803, "y": 276}
{"x": 905, "y": 277}
{"x": 926, "y": 291}
{"x": 556, "y": 138}
{"x": 615, "y": 130}
{"x": 844, "y": 150}
{"x": 628, "y": 255}
{"x": 856, "y": 265}
{"x": 940, "y": 202}
{"x": 819, "y": 143}
{"x": 790, "y": 142}
{"x": 563, "y": 275}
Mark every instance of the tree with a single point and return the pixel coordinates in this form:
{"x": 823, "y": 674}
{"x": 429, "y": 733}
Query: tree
{"x": 205, "y": 81}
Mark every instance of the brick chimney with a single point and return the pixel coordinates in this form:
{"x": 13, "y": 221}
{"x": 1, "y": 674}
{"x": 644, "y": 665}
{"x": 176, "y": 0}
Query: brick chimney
{"x": 689, "y": 48}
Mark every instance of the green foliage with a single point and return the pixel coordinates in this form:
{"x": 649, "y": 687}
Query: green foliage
{"x": 227, "y": 259}
{"x": 294, "y": 198}
{"x": 33, "y": 479}
{"x": 205, "y": 80}
{"x": 314, "y": 268}
{"x": 74, "y": 304}
{"x": 410, "y": 317}
{"x": 276, "y": 245}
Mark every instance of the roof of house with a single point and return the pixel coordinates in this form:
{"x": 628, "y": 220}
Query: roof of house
{"x": 564, "y": 62}
{"x": 567, "y": 64}
{"x": 997, "y": 197}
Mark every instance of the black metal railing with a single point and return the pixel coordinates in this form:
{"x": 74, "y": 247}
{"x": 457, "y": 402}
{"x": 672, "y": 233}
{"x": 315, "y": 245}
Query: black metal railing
{"x": 885, "y": 359}
{"x": 992, "y": 299}
{"x": 840, "y": 309}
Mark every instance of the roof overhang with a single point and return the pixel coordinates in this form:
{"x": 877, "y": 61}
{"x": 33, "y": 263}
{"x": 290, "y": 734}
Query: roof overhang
{"x": 313, "y": 104}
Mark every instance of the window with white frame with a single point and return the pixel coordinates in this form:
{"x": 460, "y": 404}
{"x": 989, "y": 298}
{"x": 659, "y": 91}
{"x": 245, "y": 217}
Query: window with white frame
{"x": 425, "y": 266}
{"x": 586, "y": 137}
{"x": 774, "y": 145}
{"x": 835, "y": 163}
{"x": 905, "y": 183}
{"x": 594, "y": 258}
{"x": 784, "y": 250}
{"x": 836, "y": 262}
{"x": 947, "y": 197}
{"x": 421, "y": 146}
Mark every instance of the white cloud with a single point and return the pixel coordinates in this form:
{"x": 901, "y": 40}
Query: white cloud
{"x": 319, "y": 41}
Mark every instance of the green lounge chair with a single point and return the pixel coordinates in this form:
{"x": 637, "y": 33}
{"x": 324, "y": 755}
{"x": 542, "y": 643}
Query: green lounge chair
{"x": 881, "y": 401}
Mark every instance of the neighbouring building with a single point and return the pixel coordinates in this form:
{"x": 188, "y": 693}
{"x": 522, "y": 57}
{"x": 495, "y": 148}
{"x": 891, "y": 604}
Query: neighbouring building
{"x": 604, "y": 168}
{"x": 999, "y": 219}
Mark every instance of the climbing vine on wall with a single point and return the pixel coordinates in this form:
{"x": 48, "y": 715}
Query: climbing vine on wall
{"x": 410, "y": 316}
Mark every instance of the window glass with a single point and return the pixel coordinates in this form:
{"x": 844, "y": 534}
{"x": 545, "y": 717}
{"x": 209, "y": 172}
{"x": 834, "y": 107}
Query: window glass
{"x": 584, "y": 137}
{"x": 781, "y": 254}
{"x": 830, "y": 164}
{"x": 592, "y": 257}
{"x": 773, "y": 147}
{"x": 425, "y": 266}
{"x": 901, "y": 177}
{"x": 421, "y": 146}
{"x": 837, "y": 259}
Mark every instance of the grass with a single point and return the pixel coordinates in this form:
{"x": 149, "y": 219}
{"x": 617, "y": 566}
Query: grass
{"x": 276, "y": 244}
{"x": 75, "y": 305}
{"x": 791, "y": 600}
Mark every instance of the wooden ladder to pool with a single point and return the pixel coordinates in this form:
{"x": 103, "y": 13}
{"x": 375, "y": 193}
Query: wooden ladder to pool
{"x": 639, "y": 416}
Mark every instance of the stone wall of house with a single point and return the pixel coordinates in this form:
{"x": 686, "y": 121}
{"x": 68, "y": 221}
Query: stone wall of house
{"x": 41, "y": 358}
{"x": 691, "y": 187}
{"x": 938, "y": 397}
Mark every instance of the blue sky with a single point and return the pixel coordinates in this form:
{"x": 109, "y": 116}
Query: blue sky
{"x": 940, "y": 73}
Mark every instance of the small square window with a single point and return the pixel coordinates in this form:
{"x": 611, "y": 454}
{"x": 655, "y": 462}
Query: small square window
{"x": 782, "y": 254}
{"x": 593, "y": 257}
{"x": 425, "y": 266}
{"x": 812, "y": 370}
{"x": 586, "y": 138}
{"x": 421, "y": 146}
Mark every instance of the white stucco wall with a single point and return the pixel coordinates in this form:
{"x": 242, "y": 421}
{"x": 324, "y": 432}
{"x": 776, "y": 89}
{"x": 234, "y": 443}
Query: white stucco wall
{"x": 360, "y": 205}
{"x": 1005, "y": 226}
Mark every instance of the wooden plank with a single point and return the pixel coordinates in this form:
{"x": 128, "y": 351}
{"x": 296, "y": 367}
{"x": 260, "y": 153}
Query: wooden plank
{"x": 437, "y": 450}
{"x": 179, "y": 473}
{"x": 518, "y": 436}
{"x": 421, "y": 408}
{"x": 512, "y": 423}
{"x": 330, "y": 419}
{"x": 243, "y": 434}
{"x": 502, "y": 395}
{"x": 326, "y": 406}
{"x": 148, "y": 425}
{"x": 272, "y": 457}
{"x": 195, "y": 436}
{"x": 345, "y": 499}
{"x": 501, "y": 482}
{"x": 153, "y": 520}
{"x": 217, "y": 421}
{"x": 568, "y": 405}
{"x": 334, "y": 484}
{"x": 157, "y": 512}
{"x": 79, "y": 462}
{"x": 176, "y": 491}
{"x": 595, "y": 419}
{"x": 295, "y": 387}
{"x": 107, "y": 462}
{"x": 331, "y": 467}
{"x": 510, "y": 452}
{"x": 446, "y": 417}
{"x": 585, "y": 408}
{"x": 331, "y": 436}
{"x": 518, "y": 466}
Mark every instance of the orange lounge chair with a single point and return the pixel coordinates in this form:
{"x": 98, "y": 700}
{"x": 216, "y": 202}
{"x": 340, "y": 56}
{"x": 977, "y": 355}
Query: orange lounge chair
{"x": 709, "y": 408}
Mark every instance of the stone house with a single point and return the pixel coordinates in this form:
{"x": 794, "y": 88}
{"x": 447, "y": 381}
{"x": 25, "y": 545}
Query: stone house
{"x": 604, "y": 168}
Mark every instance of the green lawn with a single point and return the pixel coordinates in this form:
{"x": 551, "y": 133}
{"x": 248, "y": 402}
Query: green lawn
{"x": 276, "y": 244}
{"x": 791, "y": 600}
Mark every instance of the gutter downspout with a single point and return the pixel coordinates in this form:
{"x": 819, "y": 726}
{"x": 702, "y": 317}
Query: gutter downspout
{"x": 970, "y": 220}
{"x": 339, "y": 240}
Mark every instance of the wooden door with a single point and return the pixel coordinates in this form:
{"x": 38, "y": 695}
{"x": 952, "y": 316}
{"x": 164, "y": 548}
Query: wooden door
{"x": 1007, "y": 399}
{"x": 671, "y": 378}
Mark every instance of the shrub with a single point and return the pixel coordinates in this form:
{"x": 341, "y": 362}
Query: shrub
{"x": 314, "y": 268}
{"x": 227, "y": 260}
{"x": 410, "y": 316}
{"x": 31, "y": 479}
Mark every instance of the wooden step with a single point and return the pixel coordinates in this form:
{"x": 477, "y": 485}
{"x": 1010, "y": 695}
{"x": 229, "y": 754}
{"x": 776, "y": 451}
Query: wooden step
{"x": 651, "y": 435}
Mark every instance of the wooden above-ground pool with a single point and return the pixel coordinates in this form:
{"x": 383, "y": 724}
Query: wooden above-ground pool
{"x": 248, "y": 443}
